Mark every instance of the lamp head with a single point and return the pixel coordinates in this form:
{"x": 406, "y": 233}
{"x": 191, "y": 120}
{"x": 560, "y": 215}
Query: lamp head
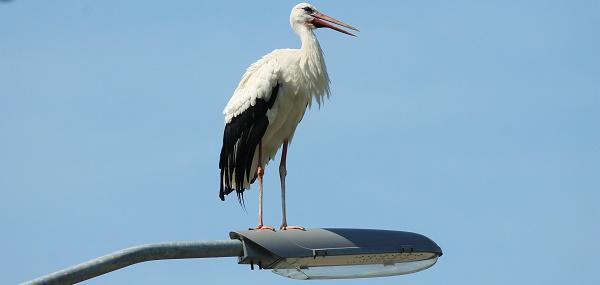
{"x": 338, "y": 253}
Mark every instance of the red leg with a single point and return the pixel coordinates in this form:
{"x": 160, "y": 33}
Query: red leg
{"x": 260, "y": 172}
{"x": 282, "y": 174}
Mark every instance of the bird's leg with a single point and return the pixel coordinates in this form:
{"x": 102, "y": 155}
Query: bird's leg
{"x": 282, "y": 174}
{"x": 260, "y": 172}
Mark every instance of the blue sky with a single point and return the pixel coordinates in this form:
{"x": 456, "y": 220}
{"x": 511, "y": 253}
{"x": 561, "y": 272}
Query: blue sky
{"x": 472, "y": 122}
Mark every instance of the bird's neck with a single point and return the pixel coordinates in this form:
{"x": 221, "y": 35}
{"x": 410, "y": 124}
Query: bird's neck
{"x": 313, "y": 65}
{"x": 311, "y": 49}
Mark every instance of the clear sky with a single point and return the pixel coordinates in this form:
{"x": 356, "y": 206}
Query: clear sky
{"x": 475, "y": 123}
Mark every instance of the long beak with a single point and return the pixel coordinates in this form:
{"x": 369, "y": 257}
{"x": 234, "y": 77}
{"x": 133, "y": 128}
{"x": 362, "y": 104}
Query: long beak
{"x": 321, "y": 20}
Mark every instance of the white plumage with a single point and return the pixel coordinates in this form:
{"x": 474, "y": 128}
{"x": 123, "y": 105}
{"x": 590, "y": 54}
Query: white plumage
{"x": 301, "y": 77}
{"x": 278, "y": 87}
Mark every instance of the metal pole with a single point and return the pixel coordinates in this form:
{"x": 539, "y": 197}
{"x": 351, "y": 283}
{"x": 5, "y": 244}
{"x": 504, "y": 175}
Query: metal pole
{"x": 137, "y": 254}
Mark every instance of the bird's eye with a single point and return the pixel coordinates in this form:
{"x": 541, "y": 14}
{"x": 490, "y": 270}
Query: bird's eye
{"x": 308, "y": 10}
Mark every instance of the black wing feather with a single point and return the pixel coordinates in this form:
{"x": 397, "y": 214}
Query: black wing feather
{"x": 240, "y": 138}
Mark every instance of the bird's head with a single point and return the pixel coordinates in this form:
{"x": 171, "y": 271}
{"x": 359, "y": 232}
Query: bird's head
{"x": 306, "y": 15}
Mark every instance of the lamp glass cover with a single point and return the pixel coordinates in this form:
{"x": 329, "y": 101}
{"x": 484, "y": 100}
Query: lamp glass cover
{"x": 366, "y": 267}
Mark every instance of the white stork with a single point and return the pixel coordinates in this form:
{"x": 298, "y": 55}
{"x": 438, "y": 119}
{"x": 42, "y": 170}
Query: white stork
{"x": 268, "y": 104}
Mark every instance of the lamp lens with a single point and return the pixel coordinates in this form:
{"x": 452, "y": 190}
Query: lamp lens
{"x": 304, "y": 272}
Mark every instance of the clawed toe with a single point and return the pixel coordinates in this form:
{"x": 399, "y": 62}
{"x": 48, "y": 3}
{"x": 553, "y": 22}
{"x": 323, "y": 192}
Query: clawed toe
{"x": 263, "y": 227}
{"x": 286, "y": 227}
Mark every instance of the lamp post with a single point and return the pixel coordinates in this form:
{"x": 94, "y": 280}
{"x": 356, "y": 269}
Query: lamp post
{"x": 310, "y": 254}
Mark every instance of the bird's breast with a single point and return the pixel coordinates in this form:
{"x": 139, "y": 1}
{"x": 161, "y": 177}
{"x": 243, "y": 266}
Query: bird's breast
{"x": 285, "y": 115}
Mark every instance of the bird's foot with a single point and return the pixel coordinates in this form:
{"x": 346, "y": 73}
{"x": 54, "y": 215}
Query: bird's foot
{"x": 286, "y": 227}
{"x": 263, "y": 227}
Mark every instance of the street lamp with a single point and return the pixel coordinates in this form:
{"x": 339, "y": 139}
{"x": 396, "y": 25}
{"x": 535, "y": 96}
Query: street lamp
{"x": 337, "y": 253}
{"x": 310, "y": 254}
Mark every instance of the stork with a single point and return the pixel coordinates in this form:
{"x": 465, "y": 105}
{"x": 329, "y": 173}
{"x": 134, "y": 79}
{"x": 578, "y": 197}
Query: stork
{"x": 267, "y": 105}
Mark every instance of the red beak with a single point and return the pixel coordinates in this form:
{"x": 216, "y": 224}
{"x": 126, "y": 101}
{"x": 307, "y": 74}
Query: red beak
{"x": 321, "y": 20}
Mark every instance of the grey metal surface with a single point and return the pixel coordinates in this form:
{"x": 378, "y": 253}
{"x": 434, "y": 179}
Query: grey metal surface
{"x": 268, "y": 247}
{"x": 137, "y": 254}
